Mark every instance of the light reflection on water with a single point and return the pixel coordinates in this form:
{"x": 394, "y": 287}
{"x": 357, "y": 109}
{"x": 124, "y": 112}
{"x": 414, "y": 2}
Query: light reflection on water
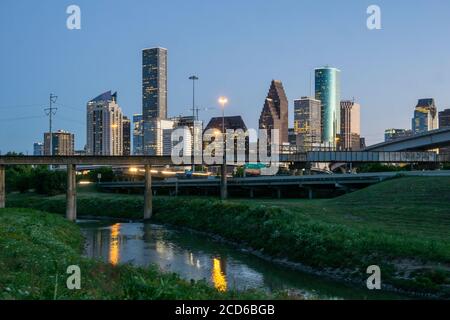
{"x": 198, "y": 257}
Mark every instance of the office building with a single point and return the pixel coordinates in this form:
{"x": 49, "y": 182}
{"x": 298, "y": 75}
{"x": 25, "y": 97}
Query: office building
{"x": 63, "y": 143}
{"x": 104, "y": 126}
{"x": 38, "y": 149}
{"x": 444, "y": 119}
{"x": 328, "y": 92}
{"x": 274, "y": 114}
{"x": 154, "y": 97}
{"x": 307, "y": 122}
{"x": 350, "y": 125}
{"x": 137, "y": 134}
{"x": 425, "y": 116}
{"x": 444, "y": 122}
{"x": 126, "y": 136}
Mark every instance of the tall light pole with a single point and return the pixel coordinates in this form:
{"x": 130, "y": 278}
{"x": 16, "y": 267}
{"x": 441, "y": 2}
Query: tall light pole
{"x": 223, "y": 177}
{"x": 193, "y": 78}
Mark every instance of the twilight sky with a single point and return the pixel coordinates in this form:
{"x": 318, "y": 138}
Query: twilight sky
{"x": 236, "y": 48}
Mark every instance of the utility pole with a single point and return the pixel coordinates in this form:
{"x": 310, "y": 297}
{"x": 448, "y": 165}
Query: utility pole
{"x": 51, "y": 111}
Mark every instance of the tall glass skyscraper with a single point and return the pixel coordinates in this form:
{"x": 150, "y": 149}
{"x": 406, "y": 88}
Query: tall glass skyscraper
{"x": 154, "y": 96}
{"x": 328, "y": 91}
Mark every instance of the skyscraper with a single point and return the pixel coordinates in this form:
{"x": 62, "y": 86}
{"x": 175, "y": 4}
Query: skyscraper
{"x": 63, "y": 143}
{"x": 104, "y": 126}
{"x": 137, "y": 134}
{"x": 328, "y": 91}
{"x": 154, "y": 96}
{"x": 126, "y": 134}
{"x": 307, "y": 123}
{"x": 275, "y": 111}
{"x": 425, "y": 116}
{"x": 350, "y": 125}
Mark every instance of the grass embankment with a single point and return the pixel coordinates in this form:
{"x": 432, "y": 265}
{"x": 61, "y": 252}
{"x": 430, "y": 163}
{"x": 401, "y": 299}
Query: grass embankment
{"x": 36, "y": 248}
{"x": 402, "y": 225}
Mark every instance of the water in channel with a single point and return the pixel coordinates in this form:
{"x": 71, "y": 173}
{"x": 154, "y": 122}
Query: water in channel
{"x": 197, "y": 257}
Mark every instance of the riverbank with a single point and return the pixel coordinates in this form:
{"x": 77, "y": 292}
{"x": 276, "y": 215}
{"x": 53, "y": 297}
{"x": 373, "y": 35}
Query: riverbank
{"x": 401, "y": 225}
{"x": 37, "y": 247}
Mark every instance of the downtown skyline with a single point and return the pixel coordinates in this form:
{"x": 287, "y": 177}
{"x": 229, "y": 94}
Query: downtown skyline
{"x": 387, "y": 95}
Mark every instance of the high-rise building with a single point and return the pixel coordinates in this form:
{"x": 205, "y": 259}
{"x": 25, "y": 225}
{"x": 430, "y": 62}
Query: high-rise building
{"x": 307, "y": 122}
{"x": 328, "y": 92}
{"x": 425, "y": 116}
{"x": 63, "y": 143}
{"x": 38, "y": 149}
{"x": 104, "y": 126}
{"x": 350, "y": 125}
{"x": 444, "y": 122}
{"x": 137, "y": 134}
{"x": 275, "y": 112}
{"x": 394, "y": 134}
{"x": 444, "y": 118}
{"x": 154, "y": 97}
{"x": 195, "y": 128}
{"x": 126, "y": 136}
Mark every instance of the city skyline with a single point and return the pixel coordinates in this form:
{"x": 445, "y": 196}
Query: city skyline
{"x": 243, "y": 83}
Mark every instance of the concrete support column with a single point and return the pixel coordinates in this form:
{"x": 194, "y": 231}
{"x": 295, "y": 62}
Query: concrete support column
{"x": 71, "y": 196}
{"x": 148, "y": 195}
{"x": 223, "y": 182}
{"x": 278, "y": 193}
{"x": 2, "y": 187}
{"x": 252, "y": 193}
{"x": 310, "y": 193}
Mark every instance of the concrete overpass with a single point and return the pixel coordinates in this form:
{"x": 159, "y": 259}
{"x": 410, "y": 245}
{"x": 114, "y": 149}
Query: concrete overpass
{"x": 148, "y": 161}
{"x": 276, "y": 183}
{"x": 424, "y": 141}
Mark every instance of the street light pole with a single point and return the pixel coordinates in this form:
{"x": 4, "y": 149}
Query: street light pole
{"x": 193, "y": 78}
{"x": 223, "y": 178}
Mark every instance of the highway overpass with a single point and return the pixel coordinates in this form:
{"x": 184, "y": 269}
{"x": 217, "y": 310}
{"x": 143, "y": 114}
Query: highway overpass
{"x": 424, "y": 141}
{"x": 278, "y": 184}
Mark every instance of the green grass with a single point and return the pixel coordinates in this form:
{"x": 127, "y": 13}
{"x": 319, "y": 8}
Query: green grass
{"x": 402, "y": 225}
{"x": 37, "y": 247}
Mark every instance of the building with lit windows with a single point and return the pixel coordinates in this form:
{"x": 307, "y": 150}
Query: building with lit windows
{"x": 307, "y": 122}
{"x": 126, "y": 136}
{"x": 104, "y": 126}
{"x": 137, "y": 134}
{"x": 63, "y": 143}
{"x": 154, "y": 97}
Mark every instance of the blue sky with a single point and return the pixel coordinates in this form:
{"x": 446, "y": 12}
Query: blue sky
{"x": 236, "y": 48}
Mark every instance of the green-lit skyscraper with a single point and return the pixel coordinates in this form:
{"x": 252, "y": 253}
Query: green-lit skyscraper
{"x": 328, "y": 91}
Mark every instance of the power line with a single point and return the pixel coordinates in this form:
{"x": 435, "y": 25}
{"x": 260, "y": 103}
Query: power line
{"x": 20, "y": 106}
{"x": 21, "y": 118}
